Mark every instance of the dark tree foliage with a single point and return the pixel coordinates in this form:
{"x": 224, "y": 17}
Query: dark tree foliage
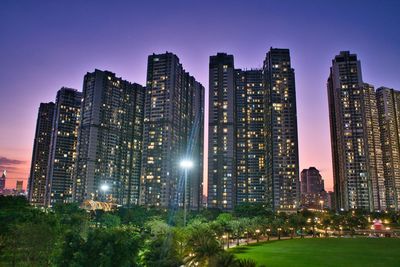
{"x": 252, "y": 210}
{"x": 161, "y": 252}
{"x": 103, "y": 247}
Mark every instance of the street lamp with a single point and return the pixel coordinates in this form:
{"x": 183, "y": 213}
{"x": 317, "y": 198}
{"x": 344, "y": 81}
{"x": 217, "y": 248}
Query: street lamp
{"x": 185, "y": 164}
{"x": 322, "y": 204}
{"x": 279, "y": 233}
{"x": 258, "y": 234}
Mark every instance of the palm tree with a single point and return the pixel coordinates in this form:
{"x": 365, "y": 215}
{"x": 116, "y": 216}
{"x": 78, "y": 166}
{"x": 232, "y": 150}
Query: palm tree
{"x": 278, "y": 224}
{"x": 296, "y": 221}
{"x": 326, "y": 222}
{"x": 236, "y": 228}
{"x": 224, "y": 259}
{"x": 245, "y": 222}
{"x": 223, "y": 221}
{"x": 204, "y": 247}
{"x": 245, "y": 263}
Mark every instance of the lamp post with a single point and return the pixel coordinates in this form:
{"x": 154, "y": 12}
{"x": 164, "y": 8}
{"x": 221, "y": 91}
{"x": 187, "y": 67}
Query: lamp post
{"x": 185, "y": 164}
{"x": 258, "y": 234}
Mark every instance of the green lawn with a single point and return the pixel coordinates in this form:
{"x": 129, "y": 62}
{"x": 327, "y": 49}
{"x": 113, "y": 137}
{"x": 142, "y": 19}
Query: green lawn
{"x": 336, "y": 252}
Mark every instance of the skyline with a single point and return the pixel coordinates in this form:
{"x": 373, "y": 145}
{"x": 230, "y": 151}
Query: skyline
{"x": 66, "y": 62}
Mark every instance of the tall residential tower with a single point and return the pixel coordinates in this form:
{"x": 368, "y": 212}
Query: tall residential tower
{"x": 389, "y": 118}
{"x": 221, "y": 133}
{"x": 109, "y": 139}
{"x": 63, "y": 146}
{"x": 173, "y": 131}
{"x": 355, "y": 137}
{"x": 282, "y": 157}
{"x": 40, "y": 155}
{"x": 250, "y": 139}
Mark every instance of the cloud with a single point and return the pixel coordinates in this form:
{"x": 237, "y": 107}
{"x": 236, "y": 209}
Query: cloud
{"x": 9, "y": 168}
{"x": 7, "y": 162}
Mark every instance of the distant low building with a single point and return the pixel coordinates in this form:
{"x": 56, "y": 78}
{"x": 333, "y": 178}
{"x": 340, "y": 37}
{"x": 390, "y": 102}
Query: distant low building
{"x": 19, "y": 186}
{"x": 3, "y": 180}
{"x": 331, "y": 203}
{"x": 313, "y": 194}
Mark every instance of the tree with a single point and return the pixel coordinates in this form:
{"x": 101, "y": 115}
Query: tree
{"x": 223, "y": 225}
{"x": 204, "y": 247}
{"x": 278, "y": 224}
{"x": 32, "y": 243}
{"x": 118, "y": 246}
{"x": 250, "y": 210}
{"x": 161, "y": 251}
{"x": 109, "y": 220}
{"x": 296, "y": 221}
{"x": 326, "y": 223}
{"x": 245, "y": 263}
{"x": 165, "y": 245}
{"x": 224, "y": 259}
{"x": 237, "y": 230}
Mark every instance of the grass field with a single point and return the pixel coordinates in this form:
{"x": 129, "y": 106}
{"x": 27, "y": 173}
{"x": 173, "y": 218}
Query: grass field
{"x": 336, "y": 252}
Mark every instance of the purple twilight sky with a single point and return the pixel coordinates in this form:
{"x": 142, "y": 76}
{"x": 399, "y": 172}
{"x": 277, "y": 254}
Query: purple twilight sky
{"x": 45, "y": 45}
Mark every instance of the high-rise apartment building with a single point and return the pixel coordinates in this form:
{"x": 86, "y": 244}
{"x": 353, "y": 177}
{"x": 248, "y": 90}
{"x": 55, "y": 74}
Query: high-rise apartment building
{"x": 63, "y": 146}
{"x": 355, "y": 137}
{"x": 388, "y": 101}
{"x": 250, "y": 139}
{"x": 173, "y": 131}
{"x": 40, "y": 155}
{"x": 109, "y": 139}
{"x": 282, "y": 158}
{"x": 221, "y": 133}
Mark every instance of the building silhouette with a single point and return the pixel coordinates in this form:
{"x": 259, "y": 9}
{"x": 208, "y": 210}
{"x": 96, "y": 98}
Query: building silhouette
{"x": 40, "y": 155}
{"x": 313, "y": 194}
{"x": 3, "y": 180}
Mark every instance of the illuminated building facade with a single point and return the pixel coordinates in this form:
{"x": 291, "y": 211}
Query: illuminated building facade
{"x": 355, "y": 137}
{"x": 222, "y": 133}
{"x": 282, "y": 158}
{"x": 250, "y": 142}
{"x": 63, "y": 146}
{"x": 173, "y": 130}
{"x": 40, "y": 155}
{"x": 389, "y": 118}
{"x": 109, "y": 139}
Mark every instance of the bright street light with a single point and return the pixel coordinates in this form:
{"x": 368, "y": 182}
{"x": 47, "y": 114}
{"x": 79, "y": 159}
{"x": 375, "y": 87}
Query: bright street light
{"x": 186, "y": 164}
{"x": 104, "y": 187}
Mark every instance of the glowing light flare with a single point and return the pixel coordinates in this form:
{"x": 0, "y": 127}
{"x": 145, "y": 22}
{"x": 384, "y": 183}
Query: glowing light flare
{"x": 104, "y": 187}
{"x": 186, "y": 164}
